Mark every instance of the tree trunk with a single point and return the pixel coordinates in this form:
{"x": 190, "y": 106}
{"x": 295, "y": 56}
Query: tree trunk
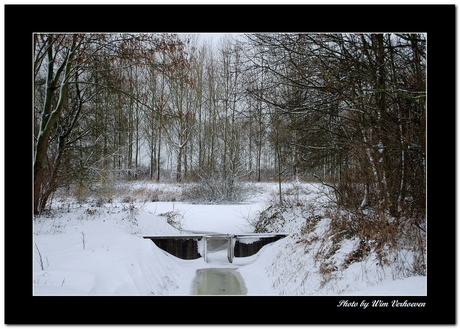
{"x": 50, "y": 115}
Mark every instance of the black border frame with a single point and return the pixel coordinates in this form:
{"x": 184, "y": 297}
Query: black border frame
{"x": 21, "y": 307}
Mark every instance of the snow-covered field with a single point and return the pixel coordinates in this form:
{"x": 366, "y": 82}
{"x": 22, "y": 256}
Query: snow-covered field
{"x": 98, "y": 248}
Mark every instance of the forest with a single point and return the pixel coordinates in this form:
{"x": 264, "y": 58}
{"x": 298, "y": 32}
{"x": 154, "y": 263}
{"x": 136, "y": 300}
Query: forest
{"x": 346, "y": 110}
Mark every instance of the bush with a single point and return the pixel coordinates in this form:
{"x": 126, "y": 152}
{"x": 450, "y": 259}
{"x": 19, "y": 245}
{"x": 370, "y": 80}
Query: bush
{"x": 217, "y": 190}
{"x": 174, "y": 218}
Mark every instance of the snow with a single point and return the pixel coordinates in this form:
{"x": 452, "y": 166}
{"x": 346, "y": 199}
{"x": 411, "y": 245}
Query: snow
{"x": 89, "y": 249}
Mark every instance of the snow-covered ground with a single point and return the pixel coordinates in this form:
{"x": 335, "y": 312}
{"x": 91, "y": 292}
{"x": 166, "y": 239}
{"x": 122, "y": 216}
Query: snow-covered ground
{"x": 98, "y": 249}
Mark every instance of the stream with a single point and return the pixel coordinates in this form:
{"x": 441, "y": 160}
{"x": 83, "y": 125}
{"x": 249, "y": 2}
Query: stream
{"x": 218, "y": 281}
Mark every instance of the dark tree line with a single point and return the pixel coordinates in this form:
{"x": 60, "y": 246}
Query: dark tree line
{"x": 348, "y": 109}
{"x": 354, "y": 106}
{"x": 86, "y": 105}
{"x": 351, "y": 110}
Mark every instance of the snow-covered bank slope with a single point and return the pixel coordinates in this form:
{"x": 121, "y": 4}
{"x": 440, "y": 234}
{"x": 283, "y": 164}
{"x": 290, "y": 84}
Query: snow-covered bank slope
{"x": 313, "y": 261}
{"x": 102, "y": 254}
{"x": 287, "y": 268}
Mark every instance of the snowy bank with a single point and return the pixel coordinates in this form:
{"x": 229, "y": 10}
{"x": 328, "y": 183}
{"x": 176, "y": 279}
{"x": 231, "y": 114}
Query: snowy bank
{"x": 88, "y": 249}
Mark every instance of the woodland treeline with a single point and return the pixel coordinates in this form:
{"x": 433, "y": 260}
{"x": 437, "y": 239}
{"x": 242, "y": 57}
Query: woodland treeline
{"x": 346, "y": 110}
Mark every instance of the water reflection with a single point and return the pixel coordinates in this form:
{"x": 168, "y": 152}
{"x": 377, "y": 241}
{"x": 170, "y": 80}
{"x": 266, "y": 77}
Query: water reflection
{"x": 218, "y": 281}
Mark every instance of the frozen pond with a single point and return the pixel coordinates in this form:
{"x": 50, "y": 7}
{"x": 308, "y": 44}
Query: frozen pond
{"x": 218, "y": 281}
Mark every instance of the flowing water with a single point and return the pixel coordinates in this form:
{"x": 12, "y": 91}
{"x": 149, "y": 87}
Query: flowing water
{"x": 218, "y": 281}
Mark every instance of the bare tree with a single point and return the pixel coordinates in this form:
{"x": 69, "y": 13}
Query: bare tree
{"x": 63, "y": 64}
{"x": 356, "y": 109}
{"x": 62, "y": 54}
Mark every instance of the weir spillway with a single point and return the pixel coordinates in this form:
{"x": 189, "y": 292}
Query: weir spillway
{"x": 193, "y": 246}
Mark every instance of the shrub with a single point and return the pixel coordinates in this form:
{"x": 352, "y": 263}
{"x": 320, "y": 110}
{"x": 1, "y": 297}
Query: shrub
{"x": 174, "y": 218}
{"x": 217, "y": 190}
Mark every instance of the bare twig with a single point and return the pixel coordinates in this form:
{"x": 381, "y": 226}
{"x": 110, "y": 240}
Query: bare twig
{"x": 40, "y": 259}
{"x": 83, "y": 240}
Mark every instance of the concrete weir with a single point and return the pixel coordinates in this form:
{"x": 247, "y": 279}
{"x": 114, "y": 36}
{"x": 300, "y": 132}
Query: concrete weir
{"x": 248, "y": 245}
{"x": 193, "y": 246}
{"x": 181, "y": 246}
